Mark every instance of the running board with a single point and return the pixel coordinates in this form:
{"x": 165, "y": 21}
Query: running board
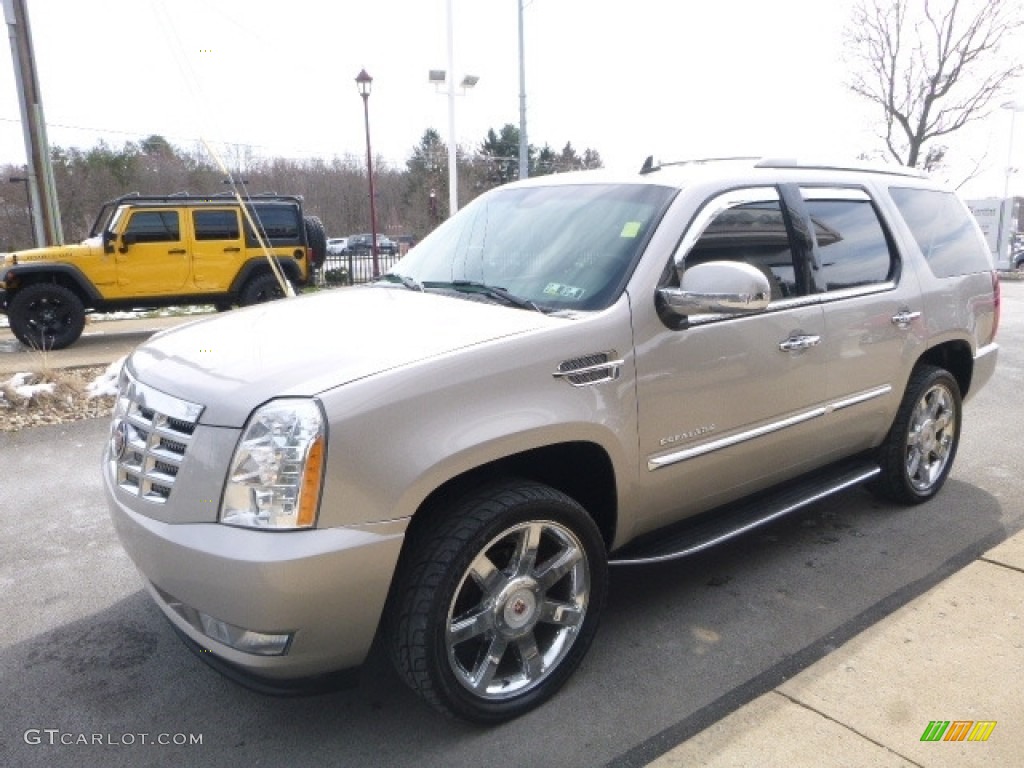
{"x": 707, "y": 530}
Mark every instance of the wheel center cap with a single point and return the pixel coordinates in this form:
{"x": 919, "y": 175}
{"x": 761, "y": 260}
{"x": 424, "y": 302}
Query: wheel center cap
{"x": 520, "y": 609}
{"x": 928, "y": 436}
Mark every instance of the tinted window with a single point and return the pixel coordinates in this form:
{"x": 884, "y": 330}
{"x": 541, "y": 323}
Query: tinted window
{"x": 216, "y": 225}
{"x": 852, "y": 247}
{"x": 754, "y": 233}
{"x": 280, "y": 223}
{"x": 944, "y": 230}
{"x": 154, "y": 226}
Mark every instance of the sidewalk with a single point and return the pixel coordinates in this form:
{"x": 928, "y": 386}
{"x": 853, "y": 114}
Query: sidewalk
{"x": 956, "y": 653}
{"x": 101, "y": 343}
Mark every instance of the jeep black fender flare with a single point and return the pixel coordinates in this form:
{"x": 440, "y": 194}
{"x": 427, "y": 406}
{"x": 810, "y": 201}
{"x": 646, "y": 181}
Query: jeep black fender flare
{"x": 69, "y": 276}
{"x": 258, "y": 266}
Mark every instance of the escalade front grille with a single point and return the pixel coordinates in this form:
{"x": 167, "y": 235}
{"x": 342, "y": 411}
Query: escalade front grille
{"x": 149, "y": 438}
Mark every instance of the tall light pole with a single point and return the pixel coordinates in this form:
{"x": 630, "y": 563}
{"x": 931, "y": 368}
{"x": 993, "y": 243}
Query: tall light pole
{"x": 363, "y": 82}
{"x": 524, "y": 145}
{"x": 1014, "y": 107}
{"x": 439, "y": 77}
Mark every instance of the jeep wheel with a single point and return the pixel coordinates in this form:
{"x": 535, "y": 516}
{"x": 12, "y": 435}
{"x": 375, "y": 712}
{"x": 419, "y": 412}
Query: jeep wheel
{"x": 918, "y": 453}
{"x": 46, "y": 316}
{"x": 498, "y": 601}
{"x": 260, "y": 289}
{"x": 316, "y": 239}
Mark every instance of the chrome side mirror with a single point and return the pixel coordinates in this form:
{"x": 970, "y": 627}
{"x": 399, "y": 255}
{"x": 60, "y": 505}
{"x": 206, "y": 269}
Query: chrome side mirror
{"x": 731, "y": 287}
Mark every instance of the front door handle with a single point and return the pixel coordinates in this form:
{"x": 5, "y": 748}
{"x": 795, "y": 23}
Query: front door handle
{"x": 177, "y": 252}
{"x": 799, "y": 343}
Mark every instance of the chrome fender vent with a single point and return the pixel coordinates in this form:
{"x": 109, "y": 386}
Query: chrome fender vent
{"x": 590, "y": 369}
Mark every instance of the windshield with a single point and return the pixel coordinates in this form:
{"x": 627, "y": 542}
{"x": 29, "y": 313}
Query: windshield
{"x": 559, "y": 247}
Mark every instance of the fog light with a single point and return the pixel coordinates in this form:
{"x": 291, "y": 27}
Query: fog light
{"x": 245, "y": 640}
{"x": 239, "y": 638}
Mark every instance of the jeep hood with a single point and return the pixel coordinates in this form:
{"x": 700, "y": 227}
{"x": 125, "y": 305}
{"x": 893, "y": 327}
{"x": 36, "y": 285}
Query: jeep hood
{"x": 300, "y": 347}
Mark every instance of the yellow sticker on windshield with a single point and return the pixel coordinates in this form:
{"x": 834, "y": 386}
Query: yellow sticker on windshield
{"x": 630, "y": 229}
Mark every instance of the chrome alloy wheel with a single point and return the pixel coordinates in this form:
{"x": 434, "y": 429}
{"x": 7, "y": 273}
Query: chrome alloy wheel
{"x": 931, "y": 437}
{"x": 518, "y": 609}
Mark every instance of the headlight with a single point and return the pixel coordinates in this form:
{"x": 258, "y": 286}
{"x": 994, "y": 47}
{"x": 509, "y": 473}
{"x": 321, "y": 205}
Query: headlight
{"x": 275, "y": 475}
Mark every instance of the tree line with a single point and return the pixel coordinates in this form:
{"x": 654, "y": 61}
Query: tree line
{"x": 410, "y": 200}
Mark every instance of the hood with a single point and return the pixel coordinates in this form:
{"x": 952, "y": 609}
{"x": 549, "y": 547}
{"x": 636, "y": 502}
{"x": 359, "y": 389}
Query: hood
{"x": 50, "y": 253}
{"x": 300, "y": 347}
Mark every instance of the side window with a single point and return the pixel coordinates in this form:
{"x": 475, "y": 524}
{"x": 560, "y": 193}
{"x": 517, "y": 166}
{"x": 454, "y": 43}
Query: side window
{"x": 852, "y": 246}
{"x": 216, "y": 225}
{"x": 754, "y": 233}
{"x": 154, "y": 226}
{"x": 280, "y": 224}
{"x": 944, "y": 230}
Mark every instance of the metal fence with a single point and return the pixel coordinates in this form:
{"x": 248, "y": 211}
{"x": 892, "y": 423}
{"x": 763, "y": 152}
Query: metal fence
{"x": 355, "y": 267}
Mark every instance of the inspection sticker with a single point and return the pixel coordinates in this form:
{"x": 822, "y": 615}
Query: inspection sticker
{"x": 630, "y": 229}
{"x": 564, "y": 291}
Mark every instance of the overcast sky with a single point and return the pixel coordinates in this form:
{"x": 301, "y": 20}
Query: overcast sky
{"x": 627, "y": 78}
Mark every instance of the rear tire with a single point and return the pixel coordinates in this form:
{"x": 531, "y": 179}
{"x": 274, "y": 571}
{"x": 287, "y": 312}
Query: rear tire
{"x": 918, "y": 452}
{"x": 46, "y": 316}
{"x": 261, "y": 289}
{"x": 497, "y": 600}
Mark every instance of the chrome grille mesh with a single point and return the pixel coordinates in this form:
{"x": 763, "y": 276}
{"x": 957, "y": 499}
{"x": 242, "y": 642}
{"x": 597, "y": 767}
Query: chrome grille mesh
{"x": 150, "y": 435}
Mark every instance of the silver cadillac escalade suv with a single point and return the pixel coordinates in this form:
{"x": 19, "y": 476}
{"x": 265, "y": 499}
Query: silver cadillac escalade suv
{"x": 575, "y": 372}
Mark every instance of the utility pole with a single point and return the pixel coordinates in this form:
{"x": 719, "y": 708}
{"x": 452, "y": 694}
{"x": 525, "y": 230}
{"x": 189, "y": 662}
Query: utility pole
{"x": 41, "y": 186}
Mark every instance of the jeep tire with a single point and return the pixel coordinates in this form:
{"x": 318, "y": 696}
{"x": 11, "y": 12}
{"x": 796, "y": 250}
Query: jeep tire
{"x": 316, "y": 239}
{"x": 260, "y": 289}
{"x": 497, "y": 601}
{"x": 46, "y": 316}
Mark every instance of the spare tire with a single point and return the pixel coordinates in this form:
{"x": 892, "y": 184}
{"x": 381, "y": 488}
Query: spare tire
{"x": 316, "y": 239}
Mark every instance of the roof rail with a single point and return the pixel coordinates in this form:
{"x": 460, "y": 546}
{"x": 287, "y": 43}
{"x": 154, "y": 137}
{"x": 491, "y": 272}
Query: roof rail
{"x": 892, "y": 170}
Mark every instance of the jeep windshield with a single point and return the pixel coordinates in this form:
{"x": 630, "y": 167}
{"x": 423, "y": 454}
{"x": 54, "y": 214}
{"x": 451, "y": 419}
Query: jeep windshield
{"x": 561, "y": 247}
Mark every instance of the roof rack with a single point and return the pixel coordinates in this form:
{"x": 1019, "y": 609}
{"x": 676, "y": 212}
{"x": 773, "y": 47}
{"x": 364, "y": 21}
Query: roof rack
{"x": 650, "y": 165}
{"x": 177, "y": 197}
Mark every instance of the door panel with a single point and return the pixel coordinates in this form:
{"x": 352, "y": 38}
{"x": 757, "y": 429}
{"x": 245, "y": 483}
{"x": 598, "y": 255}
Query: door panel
{"x": 152, "y": 255}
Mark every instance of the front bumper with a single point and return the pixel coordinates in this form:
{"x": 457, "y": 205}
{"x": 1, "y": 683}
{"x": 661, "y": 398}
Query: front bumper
{"x": 324, "y": 588}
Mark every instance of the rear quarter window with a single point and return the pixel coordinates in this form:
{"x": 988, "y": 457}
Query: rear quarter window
{"x": 944, "y": 230}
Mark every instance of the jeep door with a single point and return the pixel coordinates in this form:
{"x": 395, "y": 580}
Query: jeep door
{"x": 730, "y": 403}
{"x": 218, "y": 249}
{"x": 151, "y": 254}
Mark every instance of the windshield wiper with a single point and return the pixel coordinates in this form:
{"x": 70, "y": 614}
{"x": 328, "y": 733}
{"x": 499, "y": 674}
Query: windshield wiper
{"x": 474, "y": 286}
{"x": 408, "y": 282}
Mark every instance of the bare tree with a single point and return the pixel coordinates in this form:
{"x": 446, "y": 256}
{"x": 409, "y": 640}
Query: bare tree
{"x": 932, "y": 66}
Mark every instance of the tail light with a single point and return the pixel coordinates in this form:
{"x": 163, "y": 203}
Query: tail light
{"x": 997, "y": 303}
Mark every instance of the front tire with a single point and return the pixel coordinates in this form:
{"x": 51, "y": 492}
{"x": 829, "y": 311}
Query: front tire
{"x": 498, "y": 601}
{"x": 46, "y": 316}
{"x": 918, "y": 452}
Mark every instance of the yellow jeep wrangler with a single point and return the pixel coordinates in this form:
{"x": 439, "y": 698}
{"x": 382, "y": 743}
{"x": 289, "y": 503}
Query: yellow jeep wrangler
{"x": 153, "y": 251}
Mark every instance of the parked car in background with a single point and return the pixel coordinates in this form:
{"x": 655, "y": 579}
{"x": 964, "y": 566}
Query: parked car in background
{"x": 336, "y": 245}
{"x": 361, "y": 244}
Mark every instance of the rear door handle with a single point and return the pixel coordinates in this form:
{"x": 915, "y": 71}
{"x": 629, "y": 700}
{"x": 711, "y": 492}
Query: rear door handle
{"x": 799, "y": 343}
{"x": 177, "y": 252}
{"x": 904, "y": 318}
{"x": 235, "y": 249}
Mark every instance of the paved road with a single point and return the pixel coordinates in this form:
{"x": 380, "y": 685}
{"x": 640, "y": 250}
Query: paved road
{"x": 86, "y": 657}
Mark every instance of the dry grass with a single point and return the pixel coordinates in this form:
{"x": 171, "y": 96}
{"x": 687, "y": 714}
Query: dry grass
{"x": 68, "y": 401}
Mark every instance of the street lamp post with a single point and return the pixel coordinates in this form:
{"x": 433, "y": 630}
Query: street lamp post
{"x": 1014, "y": 107}
{"x": 28, "y": 197}
{"x": 363, "y": 82}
